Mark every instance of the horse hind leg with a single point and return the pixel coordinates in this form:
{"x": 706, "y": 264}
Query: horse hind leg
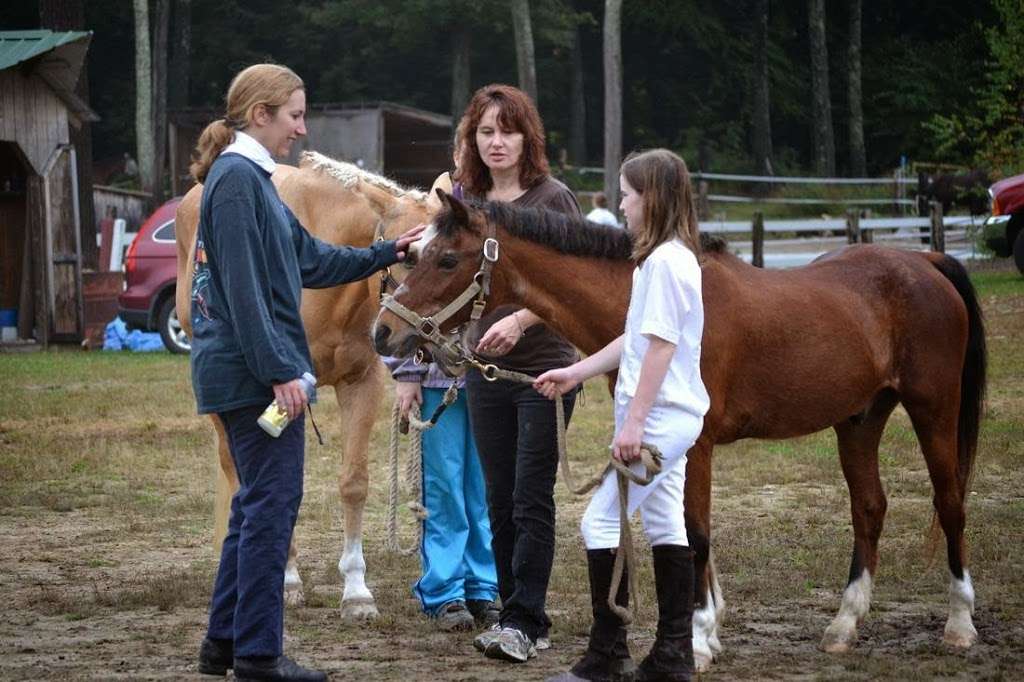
{"x": 858, "y": 440}
{"x": 358, "y": 402}
{"x": 935, "y": 424}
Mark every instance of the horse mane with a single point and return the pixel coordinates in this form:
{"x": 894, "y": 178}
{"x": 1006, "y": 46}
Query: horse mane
{"x": 349, "y": 175}
{"x": 571, "y": 235}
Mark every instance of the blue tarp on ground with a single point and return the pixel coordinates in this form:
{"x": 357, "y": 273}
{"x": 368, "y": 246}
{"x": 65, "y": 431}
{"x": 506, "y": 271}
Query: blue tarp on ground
{"x": 117, "y": 337}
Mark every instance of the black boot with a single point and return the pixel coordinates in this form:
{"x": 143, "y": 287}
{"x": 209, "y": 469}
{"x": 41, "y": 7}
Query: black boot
{"x": 607, "y": 656}
{"x": 216, "y": 656}
{"x": 671, "y": 657}
{"x": 275, "y": 669}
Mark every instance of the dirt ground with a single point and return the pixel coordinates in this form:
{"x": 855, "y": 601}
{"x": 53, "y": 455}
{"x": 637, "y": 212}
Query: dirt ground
{"x": 106, "y": 562}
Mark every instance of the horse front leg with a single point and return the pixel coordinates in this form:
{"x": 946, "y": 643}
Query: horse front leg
{"x": 858, "y": 453}
{"x": 708, "y": 604}
{"x": 358, "y": 402}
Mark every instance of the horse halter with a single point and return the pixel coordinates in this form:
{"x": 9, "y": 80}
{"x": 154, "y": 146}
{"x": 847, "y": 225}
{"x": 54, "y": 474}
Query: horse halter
{"x": 477, "y": 291}
{"x": 387, "y": 280}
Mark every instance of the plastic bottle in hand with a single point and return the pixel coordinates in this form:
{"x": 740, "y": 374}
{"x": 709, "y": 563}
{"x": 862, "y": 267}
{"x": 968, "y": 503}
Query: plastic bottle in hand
{"x": 274, "y": 419}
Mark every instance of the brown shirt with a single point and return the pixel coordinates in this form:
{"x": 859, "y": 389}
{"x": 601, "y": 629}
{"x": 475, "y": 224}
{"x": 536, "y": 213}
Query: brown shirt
{"x": 540, "y": 348}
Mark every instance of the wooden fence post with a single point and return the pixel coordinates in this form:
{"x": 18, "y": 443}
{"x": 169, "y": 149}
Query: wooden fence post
{"x": 866, "y": 236}
{"x": 757, "y": 240}
{"x": 938, "y": 232}
{"x": 703, "y": 205}
{"x": 853, "y": 234}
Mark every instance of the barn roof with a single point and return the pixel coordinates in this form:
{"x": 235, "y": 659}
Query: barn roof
{"x": 57, "y": 57}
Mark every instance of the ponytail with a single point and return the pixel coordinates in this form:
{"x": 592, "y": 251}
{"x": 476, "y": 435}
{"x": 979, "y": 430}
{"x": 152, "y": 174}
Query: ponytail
{"x": 214, "y": 138}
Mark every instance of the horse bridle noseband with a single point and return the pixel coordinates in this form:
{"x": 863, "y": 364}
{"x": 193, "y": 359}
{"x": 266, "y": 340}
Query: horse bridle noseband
{"x": 429, "y": 327}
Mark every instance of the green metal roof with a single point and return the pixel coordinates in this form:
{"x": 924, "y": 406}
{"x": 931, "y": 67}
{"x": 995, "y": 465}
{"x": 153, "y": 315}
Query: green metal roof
{"x": 57, "y": 58}
{"x": 20, "y": 46}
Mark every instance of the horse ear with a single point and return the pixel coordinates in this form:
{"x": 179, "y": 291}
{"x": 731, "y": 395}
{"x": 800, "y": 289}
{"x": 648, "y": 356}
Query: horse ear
{"x": 458, "y": 208}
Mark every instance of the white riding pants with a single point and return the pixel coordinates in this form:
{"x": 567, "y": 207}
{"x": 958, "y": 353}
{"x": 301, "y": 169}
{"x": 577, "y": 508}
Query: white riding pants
{"x": 660, "y": 503}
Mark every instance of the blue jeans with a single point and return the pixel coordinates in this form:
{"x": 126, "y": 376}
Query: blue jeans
{"x": 248, "y": 594}
{"x": 456, "y": 550}
{"x": 514, "y": 427}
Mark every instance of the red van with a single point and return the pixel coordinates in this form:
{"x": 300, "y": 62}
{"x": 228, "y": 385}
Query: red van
{"x": 1006, "y": 225}
{"x": 150, "y": 274}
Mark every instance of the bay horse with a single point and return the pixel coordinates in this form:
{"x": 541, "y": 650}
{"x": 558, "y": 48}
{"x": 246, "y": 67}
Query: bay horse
{"x": 837, "y": 343}
{"x": 342, "y": 204}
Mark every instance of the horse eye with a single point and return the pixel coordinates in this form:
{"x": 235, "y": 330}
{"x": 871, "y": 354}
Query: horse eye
{"x": 447, "y": 262}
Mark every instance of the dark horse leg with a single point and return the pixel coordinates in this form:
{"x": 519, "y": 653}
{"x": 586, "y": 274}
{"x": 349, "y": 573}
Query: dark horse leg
{"x": 858, "y": 452}
{"x": 935, "y": 423}
{"x": 708, "y": 604}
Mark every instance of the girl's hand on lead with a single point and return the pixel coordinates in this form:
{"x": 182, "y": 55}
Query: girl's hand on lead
{"x": 291, "y": 397}
{"x": 403, "y": 242}
{"x": 626, "y": 446}
{"x": 556, "y": 382}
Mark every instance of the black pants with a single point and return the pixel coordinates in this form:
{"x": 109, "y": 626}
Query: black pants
{"x": 514, "y": 429}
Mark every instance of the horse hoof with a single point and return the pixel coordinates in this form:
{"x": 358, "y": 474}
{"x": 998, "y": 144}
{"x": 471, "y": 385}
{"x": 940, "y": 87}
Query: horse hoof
{"x": 837, "y": 644}
{"x": 359, "y": 609}
{"x": 960, "y": 640}
{"x": 702, "y": 663}
{"x": 293, "y": 596}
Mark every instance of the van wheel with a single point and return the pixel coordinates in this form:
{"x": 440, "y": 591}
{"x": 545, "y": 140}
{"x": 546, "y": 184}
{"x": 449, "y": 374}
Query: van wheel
{"x": 174, "y": 337}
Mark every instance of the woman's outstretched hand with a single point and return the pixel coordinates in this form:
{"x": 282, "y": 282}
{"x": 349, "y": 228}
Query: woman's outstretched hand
{"x": 403, "y": 242}
{"x": 556, "y": 382}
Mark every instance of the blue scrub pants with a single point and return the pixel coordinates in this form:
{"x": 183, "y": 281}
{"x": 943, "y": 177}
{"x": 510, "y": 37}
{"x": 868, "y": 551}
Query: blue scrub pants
{"x": 248, "y": 594}
{"x": 456, "y": 551}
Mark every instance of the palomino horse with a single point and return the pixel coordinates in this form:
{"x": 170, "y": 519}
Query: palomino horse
{"x": 340, "y": 204}
{"x": 837, "y": 343}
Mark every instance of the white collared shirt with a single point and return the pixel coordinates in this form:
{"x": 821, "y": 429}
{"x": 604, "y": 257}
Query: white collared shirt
{"x": 248, "y": 146}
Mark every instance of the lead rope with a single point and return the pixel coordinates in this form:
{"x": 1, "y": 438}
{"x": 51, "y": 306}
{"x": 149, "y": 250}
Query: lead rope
{"x": 413, "y": 471}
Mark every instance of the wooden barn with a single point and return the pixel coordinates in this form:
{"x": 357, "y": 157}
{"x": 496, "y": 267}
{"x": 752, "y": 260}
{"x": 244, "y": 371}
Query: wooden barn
{"x": 40, "y": 258}
{"x": 406, "y": 144}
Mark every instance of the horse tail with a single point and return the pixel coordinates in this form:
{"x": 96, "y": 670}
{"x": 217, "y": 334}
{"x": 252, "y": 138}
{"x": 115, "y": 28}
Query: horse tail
{"x": 973, "y": 374}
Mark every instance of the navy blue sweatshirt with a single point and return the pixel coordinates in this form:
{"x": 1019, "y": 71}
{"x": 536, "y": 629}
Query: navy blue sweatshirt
{"x": 252, "y": 260}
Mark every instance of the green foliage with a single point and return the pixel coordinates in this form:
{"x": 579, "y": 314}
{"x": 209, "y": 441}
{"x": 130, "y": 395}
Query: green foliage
{"x": 991, "y": 132}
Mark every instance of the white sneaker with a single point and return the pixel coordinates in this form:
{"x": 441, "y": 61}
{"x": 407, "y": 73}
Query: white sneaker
{"x": 481, "y": 641}
{"x": 511, "y": 644}
{"x": 543, "y": 643}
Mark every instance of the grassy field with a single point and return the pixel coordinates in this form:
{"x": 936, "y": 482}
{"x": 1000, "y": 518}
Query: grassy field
{"x": 106, "y": 488}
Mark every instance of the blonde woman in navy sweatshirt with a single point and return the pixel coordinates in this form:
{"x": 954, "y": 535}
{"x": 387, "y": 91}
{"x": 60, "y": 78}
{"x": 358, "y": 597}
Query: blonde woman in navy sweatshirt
{"x": 252, "y": 261}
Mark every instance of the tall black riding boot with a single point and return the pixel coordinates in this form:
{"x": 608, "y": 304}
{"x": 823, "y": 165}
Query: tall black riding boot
{"x": 607, "y": 656}
{"x": 671, "y": 657}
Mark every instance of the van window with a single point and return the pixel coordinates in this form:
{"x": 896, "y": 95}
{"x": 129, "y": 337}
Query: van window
{"x": 164, "y": 233}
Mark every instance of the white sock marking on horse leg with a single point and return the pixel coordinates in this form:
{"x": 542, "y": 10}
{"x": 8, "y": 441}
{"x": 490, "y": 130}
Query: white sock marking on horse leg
{"x": 704, "y": 630}
{"x": 293, "y": 595}
{"x": 716, "y": 590}
{"x": 841, "y": 633}
{"x": 960, "y": 630}
{"x": 356, "y": 599}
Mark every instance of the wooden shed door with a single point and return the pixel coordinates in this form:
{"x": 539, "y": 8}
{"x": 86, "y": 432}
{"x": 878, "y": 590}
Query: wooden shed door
{"x": 63, "y": 247}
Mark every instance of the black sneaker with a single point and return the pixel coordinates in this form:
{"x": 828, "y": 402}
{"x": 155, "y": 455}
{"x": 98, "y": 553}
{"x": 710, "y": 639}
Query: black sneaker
{"x": 271, "y": 669}
{"x": 453, "y": 616}
{"x": 485, "y": 611}
{"x": 216, "y": 656}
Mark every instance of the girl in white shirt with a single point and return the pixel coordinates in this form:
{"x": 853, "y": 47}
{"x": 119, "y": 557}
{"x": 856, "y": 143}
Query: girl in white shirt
{"x": 659, "y": 399}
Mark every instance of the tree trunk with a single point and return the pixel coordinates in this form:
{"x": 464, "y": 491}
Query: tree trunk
{"x": 822, "y": 138}
{"x": 612, "y": 100}
{"x": 858, "y": 159}
{"x": 143, "y": 96}
{"x": 69, "y": 15}
{"x": 577, "y": 104}
{"x": 462, "y": 40}
{"x": 761, "y": 132}
{"x": 160, "y": 29}
{"x": 181, "y": 55}
{"x": 524, "y": 48}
